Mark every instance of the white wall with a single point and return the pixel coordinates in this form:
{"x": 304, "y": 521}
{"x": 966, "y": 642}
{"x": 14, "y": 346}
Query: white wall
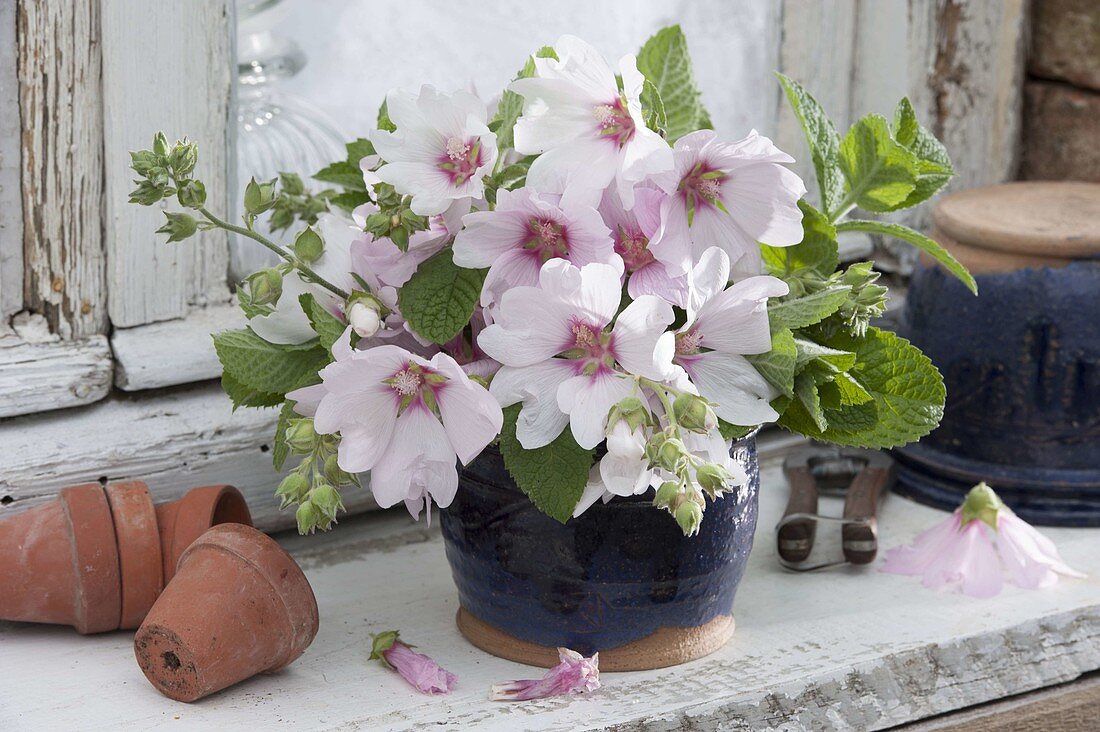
{"x": 359, "y": 49}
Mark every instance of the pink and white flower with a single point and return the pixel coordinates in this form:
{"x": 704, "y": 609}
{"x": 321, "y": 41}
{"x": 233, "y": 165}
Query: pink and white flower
{"x": 729, "y": 195}
{"x": 976, "y": 546}
{"x": 586, "y": 131}
{"x": 723, "y": 326}
{"x": 522, "y": 233}
{"x": 287, "y": 324}
{"x": 424, "y": 674}
{"x": 404, "y": 418}
{"x": 567, "y": 357}
{"x": 633, "y": 233}
{"x": 574, "y": 674}
{"x": 441, "y": 151}
{"x": 393, "y": 266}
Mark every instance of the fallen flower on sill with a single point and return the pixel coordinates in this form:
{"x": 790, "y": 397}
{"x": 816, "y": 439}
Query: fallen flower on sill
{"x": 976, "y": 546}
{"x": 574, "y": 674}
{"x": 427, "y": 676}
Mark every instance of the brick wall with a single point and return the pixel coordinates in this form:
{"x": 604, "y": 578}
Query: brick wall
{"x": 1061, "y": 134}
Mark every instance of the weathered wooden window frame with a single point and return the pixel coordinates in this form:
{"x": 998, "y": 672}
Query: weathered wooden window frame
{"x": 129, "y": 316}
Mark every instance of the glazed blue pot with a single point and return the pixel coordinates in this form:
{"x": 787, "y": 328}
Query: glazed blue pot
{"x": 620, "y": 579}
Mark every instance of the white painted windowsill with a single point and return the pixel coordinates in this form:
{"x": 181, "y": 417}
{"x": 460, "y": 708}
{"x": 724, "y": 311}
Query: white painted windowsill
{"x": 849, "y": 648}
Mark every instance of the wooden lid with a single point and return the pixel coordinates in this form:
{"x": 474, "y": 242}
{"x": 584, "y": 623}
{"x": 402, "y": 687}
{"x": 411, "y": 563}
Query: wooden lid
{"x": 1039, "y": 218}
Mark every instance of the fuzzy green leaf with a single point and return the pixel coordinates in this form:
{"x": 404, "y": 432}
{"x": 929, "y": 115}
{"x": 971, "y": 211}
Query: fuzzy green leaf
{"x": 934, "y": 169}
{"x": 280, "y": 450}
{"x": 929, "y": 246}
{"x": 817, "y": 253}
{"x": 511, "y": 104}
{"x": 880, "y": 173}
{"x": 350, "y": 200}
{"x": 824, "y": 142}
{"x": 384, "y": 122}
{"x": 246, "y": 396}
{"x": 343, "y": 174}
{"x": 554, "y": 476}
{"x": 266, "y": 367}
{"x": 805, "y": 392}
{"x": 800, "y": 312}
{"x": 835, "y": 360}
{"x": 326, "y": 325}
{"x": 439, "y": 299}
{"x": 665, "y": 62}
{"x": 777, "y": 365}
{"x": 359, "y": 149}
{"x": 843, "y": 390}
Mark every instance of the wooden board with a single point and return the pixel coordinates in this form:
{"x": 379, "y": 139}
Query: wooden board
{"x": 167, "y": 67}
{"x": 847, "y": 649}
{"x": 37, "y": 377}
{"x": 11, "y": 198}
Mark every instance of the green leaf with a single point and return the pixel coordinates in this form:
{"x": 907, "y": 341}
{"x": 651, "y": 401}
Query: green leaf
{"x": 817, "y": 253}
{"x": 343, "y": 173}
{"x": 835, "y": 360}
{"x": 799, "y": 312}
{"x": 266, "y": 367}
{"x": 843, "y": 390}
{"x": 805, "y": 392}
{"x": 511, "y": 104}
{"x": 907, "y": 390}
{"x": 824, "y": 142}
{"x": 934, "y": 169}
{"x": 350, "y": 200}
{"x": 439, "y": 299}
{"x": 733, "y": 431}
{"x": 384, "y": 122}
{"x": 777, "y": 365}
{"x": 359, "y": 149}
{"x": 880, "y": 173}
{"x": 246, "y": 396}
{"x": 554, "y": 476}
{"x": 665, "y": 62}
{"x": 327, "y": 326}
{"x": 280, "y": 450}
{"x": 514, "y": 176}
{"x": 929, "y": 246}
{"x": 653, "y": 109}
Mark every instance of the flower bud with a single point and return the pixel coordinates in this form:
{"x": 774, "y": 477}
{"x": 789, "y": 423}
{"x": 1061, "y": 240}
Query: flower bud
{"x": 694, "y": 413}
{"x": 364, "y": 319}
{"x": 259, "y": 197}
{"x": 179, "y": 226}
{"x": 308, "y": 245}
{"x": 689, "y": 515}
{"x": 292, "y": 489}
{"x": 265, "y": 287}
{"x": 630, "y": 410}
{"x": 336, "y": 474}
{"x": 983, "y": 504}
{"x": 309, "y": 518}
{"x": 300, "y": 436}
{"x": 666, "y": 494}
{"x": 160, "y": 144}
{"x": 183, "y": 157}
{"x": 327, "y": 500}
{"x": 671, "y": 453}
{"x": 192, "y": 194}
{"x": 713, "y": 478}
{"x": 400, "y": 237}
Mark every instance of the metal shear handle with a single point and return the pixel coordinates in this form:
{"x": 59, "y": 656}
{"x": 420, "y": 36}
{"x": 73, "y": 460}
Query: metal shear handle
{"x": 859, "y": 532}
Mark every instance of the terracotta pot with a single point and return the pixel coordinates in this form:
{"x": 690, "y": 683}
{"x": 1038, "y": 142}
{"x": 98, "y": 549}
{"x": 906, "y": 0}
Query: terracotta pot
{"x": 60, "y": 563}
{"x": 139, "y": 555}
{"x": 182, "y": 521}
{"x": 620, "y": 579}
{"x": 239, "y": 605}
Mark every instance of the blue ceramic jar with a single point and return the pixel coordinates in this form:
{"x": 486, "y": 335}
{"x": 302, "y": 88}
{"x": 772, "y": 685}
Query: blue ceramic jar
{"x": 608, "y": 579}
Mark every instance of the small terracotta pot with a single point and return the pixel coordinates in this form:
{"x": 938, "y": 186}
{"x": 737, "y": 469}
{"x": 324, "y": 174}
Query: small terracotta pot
{"x": 60, "y": 563}
{"x": 139, "y": 555}
{"x": 239, "y": 605}
{"x": 182, "y": 521}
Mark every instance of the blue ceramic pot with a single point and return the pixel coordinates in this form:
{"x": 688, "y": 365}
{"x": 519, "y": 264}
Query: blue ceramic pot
{"x": 1022, "y": 368}
{"x": 620, "y": 579}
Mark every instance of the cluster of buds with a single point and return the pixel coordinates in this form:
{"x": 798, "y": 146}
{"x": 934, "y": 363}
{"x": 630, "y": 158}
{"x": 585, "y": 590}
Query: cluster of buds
{"x": 296, "y": 201}
{"x": 394, "y": 219}
{"x": 866, "y": 300}
{"x": 164, "y": 171}
{"x": 315, "y": 484}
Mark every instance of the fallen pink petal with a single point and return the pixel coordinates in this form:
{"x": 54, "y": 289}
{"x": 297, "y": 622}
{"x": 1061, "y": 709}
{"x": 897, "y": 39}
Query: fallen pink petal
{"x": 575, "y": 674}
{"x": 977, "y": 547}
{"x": 425, "y": 675}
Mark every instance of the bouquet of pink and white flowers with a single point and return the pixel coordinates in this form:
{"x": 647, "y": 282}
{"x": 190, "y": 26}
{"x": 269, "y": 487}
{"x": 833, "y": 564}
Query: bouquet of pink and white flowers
{"x": 580, "y": 272}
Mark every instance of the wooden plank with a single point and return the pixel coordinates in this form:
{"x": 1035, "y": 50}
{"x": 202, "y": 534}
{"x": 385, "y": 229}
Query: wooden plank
{"x": 173, "y": 352}
{"x": 848, "y": 649}
{"x": 62, "y": 164}
{"x": 11, "y": 198}
{"x": 173, "y": 441}
{"x": 37, "y": 377}
{"x": 167, "y": 66}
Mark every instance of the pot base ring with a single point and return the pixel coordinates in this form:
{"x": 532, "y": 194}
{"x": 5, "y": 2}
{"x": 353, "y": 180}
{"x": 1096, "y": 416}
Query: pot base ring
{"x": 666, "y": 647}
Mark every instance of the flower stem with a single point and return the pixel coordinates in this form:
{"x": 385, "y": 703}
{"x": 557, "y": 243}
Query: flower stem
{"x": 292, "y": 260}
{"x": 662, "y": 393}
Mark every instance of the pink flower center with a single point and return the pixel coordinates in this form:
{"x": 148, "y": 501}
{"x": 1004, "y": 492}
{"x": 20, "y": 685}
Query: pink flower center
{"x": 615, "y": 122}
{"x": 407, "y": 382}
{"x": 548, "y": 239}
{"x": 460, "y": 159}
{"x": 592, "y": 349}
{"x": 633, "y": 247}
{"x": 689, "y": 342}
{"x": 702, "y": 187}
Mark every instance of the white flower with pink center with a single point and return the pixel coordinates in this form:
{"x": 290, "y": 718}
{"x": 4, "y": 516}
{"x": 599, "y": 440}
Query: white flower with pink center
{"x": 441, "y": 151}
{"x": 633, "y": 232}
{"x": 586, "y": 130}
{"x": 567, "y": 356}
{"x": 404, "y": 418}
{"x": 525, "y": 231}
{"x": 729, "y": 195}
{"x": 723, "y": 326}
